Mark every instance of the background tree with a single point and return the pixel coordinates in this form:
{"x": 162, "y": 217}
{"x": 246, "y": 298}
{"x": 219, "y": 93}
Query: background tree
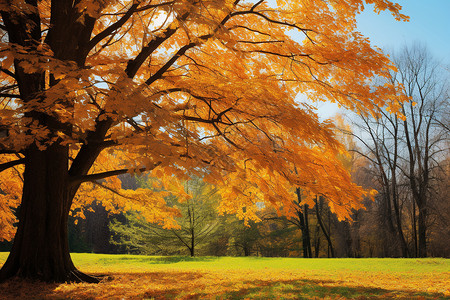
{"x": 302, "y": 222}
{"x": 179, "y": 87}
{"x": 198, "y": 222}
{"x": 406, "y": 150}
{"x": 300, "y": 219}
{"x": 423, "y": 81}
{"x": 440, "y": 212}
{"x": 383, "y": 139}
{"x": 244, "y": 238}
{"x": 90, "y": 232}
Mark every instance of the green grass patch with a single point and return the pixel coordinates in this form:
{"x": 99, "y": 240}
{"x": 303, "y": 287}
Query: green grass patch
{"x": 401, "y": 265}
{"x": 351, "y": 264}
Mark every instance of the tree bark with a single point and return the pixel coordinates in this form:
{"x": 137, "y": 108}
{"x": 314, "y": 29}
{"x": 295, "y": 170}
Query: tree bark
{"x": 40, "y": 249}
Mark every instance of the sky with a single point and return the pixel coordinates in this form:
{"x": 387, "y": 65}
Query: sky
{"x": 429, "y": 24}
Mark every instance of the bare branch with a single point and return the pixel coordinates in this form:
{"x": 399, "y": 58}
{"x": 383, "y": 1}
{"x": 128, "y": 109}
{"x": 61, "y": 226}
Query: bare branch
{"x": 248, "y": 28}
{"x": 149, "y": 6}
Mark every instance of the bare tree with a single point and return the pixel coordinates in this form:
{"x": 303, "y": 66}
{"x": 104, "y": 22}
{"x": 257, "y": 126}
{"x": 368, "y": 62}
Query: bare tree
{"x": 380, "y": 137}
{"x": 406, "y": 151}
{"x": 424, "y": 81}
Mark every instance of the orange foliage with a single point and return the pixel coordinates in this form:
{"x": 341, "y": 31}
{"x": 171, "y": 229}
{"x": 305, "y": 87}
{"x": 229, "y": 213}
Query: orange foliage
{"x": 10, "y": 192}
{"x": 201, "y": 87}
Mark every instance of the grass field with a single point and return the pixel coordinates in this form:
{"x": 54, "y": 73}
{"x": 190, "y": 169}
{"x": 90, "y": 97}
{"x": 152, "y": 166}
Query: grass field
{"x": 150, "y": 277}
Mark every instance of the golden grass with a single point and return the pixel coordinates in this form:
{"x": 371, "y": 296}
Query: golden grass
{"x": 140, "y": 277}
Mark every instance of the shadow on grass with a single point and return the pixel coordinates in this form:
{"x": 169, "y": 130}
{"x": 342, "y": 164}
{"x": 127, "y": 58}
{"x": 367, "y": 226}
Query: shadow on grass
{"x": 196, "y": 285}
{"x": 308, "y": 289}
{"x": 295, "y": 289}
{"x": 25, "y": 289}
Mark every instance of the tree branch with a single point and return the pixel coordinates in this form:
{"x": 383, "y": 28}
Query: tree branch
{"x": 97, "y": 176}
{"x": 134, "y": 65}
{"x": 169, "y": 63}
{"x": 8, "y": 72}
{"x": 154, "y": 6}
{"x": 181, "y": 240}
{"x": 6, "y": 95}
{"x": 11, "y": 164}
{"x": 110, "y": 189}
{"x": 110, "y": 29}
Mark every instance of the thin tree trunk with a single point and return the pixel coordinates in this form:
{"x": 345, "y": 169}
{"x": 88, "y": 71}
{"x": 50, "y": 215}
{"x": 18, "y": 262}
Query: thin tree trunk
{"x": 305, "y": 236}
{"x": 308, "y": 235}
{"x": 403, "y": 245}
{"x": 304, "y": 227}
{"x": 422, "y": 229}
{"x": 322, "y": 226}
{"x": 192, "y": 248}
{"x": 416, "y": 253}
{"x": 329, "y": 231}
{"x": 317, "y": 242}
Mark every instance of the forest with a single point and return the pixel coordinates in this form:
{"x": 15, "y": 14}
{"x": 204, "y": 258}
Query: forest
{"x": 181, "y": 128}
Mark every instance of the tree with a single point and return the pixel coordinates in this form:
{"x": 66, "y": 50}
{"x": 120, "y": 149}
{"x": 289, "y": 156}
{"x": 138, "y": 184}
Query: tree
{"x": 407, "y": 149}
{"x": 245, "y": 238}
{"x": 198, "y": 87}
{"x": 302, "y": 222}
{"x": 425, "y": 137}
{"x": 382, "y": 142}
{"x": 90, "y": 233}
{"x": 198, "y": 222}
{"x": 440, "y": 212}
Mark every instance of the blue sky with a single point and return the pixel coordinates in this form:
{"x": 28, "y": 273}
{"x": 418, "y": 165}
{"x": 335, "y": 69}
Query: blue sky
{"x": 429, "y": 24}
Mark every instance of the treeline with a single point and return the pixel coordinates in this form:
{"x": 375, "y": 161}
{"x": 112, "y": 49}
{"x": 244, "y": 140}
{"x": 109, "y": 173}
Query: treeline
{"x": 203, "y": 232}
{"x": 315, "y": 232}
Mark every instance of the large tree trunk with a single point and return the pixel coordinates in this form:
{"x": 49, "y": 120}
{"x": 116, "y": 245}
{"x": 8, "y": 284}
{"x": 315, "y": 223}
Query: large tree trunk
{"x": 40, "y": 249}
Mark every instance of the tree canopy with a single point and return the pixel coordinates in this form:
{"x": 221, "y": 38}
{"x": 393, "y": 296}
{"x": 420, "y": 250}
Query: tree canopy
{"x": 180, "y": 88}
